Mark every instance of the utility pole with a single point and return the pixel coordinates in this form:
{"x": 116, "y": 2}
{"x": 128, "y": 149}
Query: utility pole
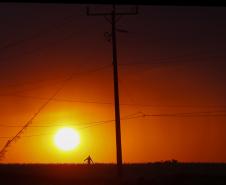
{"x": 113, "y": 21}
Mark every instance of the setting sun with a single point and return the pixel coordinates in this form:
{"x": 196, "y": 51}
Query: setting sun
{"x": 67, "y": 139}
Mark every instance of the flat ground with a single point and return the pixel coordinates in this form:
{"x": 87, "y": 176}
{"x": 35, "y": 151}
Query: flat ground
{"x": 142, "y": 174}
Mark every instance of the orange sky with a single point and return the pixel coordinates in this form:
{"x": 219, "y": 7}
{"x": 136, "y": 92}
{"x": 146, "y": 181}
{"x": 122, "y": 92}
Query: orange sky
{"x": 189, "y": 77}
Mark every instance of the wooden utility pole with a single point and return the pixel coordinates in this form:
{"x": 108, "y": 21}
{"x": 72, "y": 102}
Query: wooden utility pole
{"x": 113, "y": 21}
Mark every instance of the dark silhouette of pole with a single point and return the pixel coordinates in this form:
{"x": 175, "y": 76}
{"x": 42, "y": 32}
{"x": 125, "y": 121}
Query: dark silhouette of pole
{"x": 116, "y": 95}
{"x": 113, "y": 21}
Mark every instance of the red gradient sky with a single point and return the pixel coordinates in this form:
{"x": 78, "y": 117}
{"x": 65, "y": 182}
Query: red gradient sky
{"x": 171, "y": 61}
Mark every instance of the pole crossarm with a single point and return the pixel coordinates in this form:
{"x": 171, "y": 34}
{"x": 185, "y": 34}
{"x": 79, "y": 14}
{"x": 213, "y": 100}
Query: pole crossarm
{"x": 89, "y": 13}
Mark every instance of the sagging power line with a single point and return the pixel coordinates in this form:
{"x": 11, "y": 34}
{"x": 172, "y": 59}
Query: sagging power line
{"x": 129, "y": 117}
{"x": 108, "y": 103}
{"x": 17, "y": 136}
{"x": 141, "y": 114}
{"x": 15, "y": 93}
{"x": 37, "y": 35}
{"x": 92, "y": 124}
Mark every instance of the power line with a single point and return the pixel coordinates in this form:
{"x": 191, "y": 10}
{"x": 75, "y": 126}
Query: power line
{"x": 92, "y": 124}
{"x": 109, "y": 103}
{"x": 57, "y": 82}
{"x": 189, "y": 114}
{"x": 171, "y": 62}
{"x": 30, "y": 82}
{"x": 53, "y": 43}
{"x": 14, "y": 93}
{"x": 85, "y": 123}
{"x": 134, "y": 116}
{"x": 17, "y": 136}
{"x": 36, "y": 35}
{"x": 129, "y": 96}
{"x": 204, "y": 53}
{"x": 44, "y": 48}
{"x": 57, "y": 99}
{"x": 173, "y": 59}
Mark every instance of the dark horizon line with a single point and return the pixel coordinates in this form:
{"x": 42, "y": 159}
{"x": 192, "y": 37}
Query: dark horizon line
{"x": 128, "y": 163}
{"x": 199, "y": 3}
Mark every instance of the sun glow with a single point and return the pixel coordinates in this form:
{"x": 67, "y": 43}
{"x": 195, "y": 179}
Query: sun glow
{"x": 67, "y": 139}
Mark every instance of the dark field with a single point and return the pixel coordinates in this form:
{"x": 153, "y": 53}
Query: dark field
{"x": 152, "y": 173}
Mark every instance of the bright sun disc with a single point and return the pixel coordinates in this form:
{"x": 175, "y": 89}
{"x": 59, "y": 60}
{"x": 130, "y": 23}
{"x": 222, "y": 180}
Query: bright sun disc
{"x": 67, "y": 139}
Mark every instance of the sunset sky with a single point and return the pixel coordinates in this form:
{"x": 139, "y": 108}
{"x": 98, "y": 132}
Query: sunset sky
{"x": 172, "y": 60}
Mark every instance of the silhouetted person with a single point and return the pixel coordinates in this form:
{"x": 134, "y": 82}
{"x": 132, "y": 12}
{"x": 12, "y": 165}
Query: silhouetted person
{"x": 89, "y": 160}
